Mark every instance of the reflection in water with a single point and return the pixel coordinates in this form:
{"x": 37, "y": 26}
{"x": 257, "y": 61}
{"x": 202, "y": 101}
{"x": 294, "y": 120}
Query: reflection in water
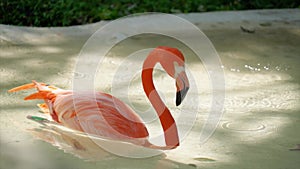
{"x": 83, "y": 147}
{"x": 87, "y": 146}
{"x": 72, "y": 142}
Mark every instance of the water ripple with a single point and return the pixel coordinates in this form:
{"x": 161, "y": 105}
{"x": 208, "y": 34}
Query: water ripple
{"x": 70, "y": 74}
{"x": 273, "y": 98}
{"x": 243, "y": 127}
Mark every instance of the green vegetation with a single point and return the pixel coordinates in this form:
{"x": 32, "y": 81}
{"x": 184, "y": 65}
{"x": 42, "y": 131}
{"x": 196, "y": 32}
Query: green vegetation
{"x": 76, "y": 12}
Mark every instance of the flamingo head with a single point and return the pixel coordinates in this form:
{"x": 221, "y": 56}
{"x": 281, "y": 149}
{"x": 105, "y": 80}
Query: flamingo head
{"x": 172, "y": 60}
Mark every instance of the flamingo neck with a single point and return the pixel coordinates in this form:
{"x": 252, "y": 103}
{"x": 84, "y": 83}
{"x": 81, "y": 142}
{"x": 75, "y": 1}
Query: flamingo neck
{"x": 166, "y": 119}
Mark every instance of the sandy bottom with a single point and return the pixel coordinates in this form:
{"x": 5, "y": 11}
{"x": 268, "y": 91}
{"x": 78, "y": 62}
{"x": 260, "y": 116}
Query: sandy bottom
{"x": 258, "y": 129}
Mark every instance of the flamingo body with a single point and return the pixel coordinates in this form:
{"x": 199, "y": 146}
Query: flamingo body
{"x": 104, "y": 115}
{"x": 99, "y": 114}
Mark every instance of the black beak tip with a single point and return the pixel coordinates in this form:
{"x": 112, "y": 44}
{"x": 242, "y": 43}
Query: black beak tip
{"x": 178, "y": 99}
{"x": 180, "y": 95}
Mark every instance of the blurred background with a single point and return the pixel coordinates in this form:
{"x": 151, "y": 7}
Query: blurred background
{"x": 46, "y": 13}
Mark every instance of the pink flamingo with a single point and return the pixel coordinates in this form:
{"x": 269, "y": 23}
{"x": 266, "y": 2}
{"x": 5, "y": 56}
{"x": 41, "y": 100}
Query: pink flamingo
{"x": 106, "y": 116}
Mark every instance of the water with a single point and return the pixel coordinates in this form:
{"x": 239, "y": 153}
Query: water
{"x": 259, "y": 126}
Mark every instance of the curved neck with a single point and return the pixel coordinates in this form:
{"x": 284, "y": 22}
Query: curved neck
{"x": 165, "y": 117}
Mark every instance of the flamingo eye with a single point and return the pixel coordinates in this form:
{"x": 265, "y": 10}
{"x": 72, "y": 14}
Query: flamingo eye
{"x": 178, "y": 69}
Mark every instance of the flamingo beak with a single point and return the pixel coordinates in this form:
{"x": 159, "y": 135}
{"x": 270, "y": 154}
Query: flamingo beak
{"x": 182, "y": 85}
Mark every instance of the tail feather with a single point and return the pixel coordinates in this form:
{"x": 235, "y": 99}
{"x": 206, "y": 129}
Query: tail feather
{"x": 23, "y": 87}
{"x": 38, "y": 85}
{"x": 43, "y": 108}
{"x": 43, "y": 91}
{"x": 38, "y": 95}
{"x": 32, "y": 85}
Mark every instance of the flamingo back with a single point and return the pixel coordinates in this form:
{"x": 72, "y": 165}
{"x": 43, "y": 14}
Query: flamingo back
{"x": 99, "y": 114}
{"x": 95, "y": 113}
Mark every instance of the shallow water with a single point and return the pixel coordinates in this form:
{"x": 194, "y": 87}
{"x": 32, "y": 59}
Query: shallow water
{"x": 259, "y": 126}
